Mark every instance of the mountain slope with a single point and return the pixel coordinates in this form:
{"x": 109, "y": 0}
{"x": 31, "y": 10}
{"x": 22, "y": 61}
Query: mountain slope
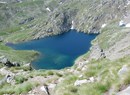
{"x": 104, "y": 70}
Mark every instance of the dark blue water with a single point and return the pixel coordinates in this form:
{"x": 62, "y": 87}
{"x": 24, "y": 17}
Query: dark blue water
{"x": 59, "y": 51}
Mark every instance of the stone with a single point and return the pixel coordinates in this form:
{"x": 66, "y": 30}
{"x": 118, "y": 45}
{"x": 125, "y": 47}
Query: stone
{"x": 92, "y": 79}
{"x": 80, "y": 82}
{"x": 45, "y": 89}
{"x": 123, "y": 70}
{"x": 84, "y": 81}
{"x": 9, "y": 79}
{"x": 26, "y": 20}
{"x": 3, "y": 59}
{"x": 124, "y": 92}
{"x": 52, "y": 86}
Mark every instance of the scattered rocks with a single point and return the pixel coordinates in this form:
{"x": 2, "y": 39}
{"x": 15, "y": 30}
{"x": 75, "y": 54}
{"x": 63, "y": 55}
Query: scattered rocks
{"x": 60, "y": 80}
{"x": 26, "y": 20}
{"x": 7, "y": 63}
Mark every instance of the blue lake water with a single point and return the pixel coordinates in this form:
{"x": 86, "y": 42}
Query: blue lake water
{"x": 59, "y": 51}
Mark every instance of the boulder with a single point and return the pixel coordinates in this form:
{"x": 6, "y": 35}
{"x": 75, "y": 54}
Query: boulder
{"x": 26, "y": 20}
{"x": 123, "y": 70}
{"x": 84, "y": 81}
{"x": 9, "y": 78}
{"x": 3, "y": 59}
{"x": 80, "y": 82}
{"x": 125, "y": 91}
{"x": 1, "y": 39}
{"x": 45, "y": 89}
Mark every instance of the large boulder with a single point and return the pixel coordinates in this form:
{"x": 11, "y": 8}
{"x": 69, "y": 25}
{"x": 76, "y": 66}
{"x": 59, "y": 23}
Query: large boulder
{"x": 45, "y": 89}
{"x": 125, "y": 91}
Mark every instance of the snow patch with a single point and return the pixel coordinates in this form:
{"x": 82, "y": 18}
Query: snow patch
{"x": 121, "y": 23}
{"x": 48, "y": 9}
{"x": 127, "y": 25}
{"x": 72, "y": 27}
{"x": 104, "y": 25}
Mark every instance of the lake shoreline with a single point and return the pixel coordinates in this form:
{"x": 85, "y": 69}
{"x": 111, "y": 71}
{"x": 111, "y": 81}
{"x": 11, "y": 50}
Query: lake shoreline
{"x": 72, "y": 38}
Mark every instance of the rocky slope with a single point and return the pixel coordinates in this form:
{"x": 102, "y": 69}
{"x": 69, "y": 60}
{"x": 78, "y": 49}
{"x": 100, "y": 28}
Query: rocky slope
{"x": 104, "y": 70}
{"x": 43, "y": 18}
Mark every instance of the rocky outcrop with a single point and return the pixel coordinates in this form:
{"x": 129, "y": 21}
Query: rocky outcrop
{"x": 47, "y": 18}
{"x": 7, "y": 63}
{"x": 26, "y": 20}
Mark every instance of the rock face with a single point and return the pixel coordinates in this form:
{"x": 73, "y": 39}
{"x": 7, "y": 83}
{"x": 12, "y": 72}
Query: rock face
{"x": 51, "y": 17}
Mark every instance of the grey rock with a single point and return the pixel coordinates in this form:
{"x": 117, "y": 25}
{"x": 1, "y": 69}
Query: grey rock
{"x": 4, "y": 60}
{"x": 26, "y": 20}
{"x": 124, "y": 92}
{"x": 123, "y": 70}
{"x": 1, "y": 39}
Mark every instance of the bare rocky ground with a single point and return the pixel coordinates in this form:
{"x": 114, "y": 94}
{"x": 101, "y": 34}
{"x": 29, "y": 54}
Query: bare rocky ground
{"x": 120, "y": 49}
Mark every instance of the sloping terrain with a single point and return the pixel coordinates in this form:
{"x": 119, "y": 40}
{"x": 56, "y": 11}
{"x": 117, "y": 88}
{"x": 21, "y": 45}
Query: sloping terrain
{"x": 104, "y": 70}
